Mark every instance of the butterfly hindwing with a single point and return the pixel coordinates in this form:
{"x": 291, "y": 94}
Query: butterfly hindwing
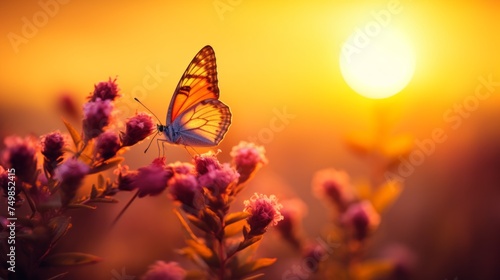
{"x": 198, "y": 83}
{"x": 203, "y": 125}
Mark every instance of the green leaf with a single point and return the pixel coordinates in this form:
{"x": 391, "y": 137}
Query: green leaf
{"x": 100, "y": 181}
{"x": 70, "y": 259}
{"x": 257, "y": 264}
{"x": 93, "y": 191}
{"x": 198, "y": 223}
{"x": 247, "y": 242}
{"x": 211, "y": 220}
{"x": 204, "y": 252}
{"x": 187, "y": 230}
{"x": 59, "y": 226}
{"x": 81, "y": 206}
{"x": 236, "y": 217}
{"x": 105, "y": 199}
{"x": 106, "y": 165}
{"x": 73, "y": 132}
{"x": 190, "y": 254}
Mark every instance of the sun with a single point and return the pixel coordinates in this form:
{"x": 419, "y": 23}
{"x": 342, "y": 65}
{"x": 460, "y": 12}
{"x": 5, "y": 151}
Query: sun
{"x": 377, "y": 64}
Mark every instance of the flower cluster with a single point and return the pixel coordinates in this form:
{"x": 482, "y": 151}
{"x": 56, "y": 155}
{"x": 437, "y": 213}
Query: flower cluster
{"x": 53, "y": 187}
{"x": 204, "y": 191}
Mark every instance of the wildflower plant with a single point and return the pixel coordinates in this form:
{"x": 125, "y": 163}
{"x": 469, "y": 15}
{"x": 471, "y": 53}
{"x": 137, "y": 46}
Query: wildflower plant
{"x": 52, "y": 175}
{"x": 221, "y": 242}
{"x": 51, "y": 188}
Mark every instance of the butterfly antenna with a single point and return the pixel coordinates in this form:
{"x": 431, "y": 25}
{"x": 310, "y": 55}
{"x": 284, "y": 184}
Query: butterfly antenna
{"x": 145, "y": 151}
{"x": 135, "y": 98}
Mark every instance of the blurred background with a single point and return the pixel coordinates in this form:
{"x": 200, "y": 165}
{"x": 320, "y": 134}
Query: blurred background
{"x": 278, "y": 65}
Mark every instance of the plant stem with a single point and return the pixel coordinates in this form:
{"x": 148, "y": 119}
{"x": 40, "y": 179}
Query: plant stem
{"x": 124, "y": 209}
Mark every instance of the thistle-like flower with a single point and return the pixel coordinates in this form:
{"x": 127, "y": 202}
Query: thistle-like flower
{"x": 264, "y": 211}
{"x": 335, "y": 186}
{"x": 96, "y": 116}
{"x": 137, "y": 129}
{"x": 152, "y": 179}
{"x": 70, "y": 175}
{"x": 186, "y": 189}
{"x": 20, "y": 154}
{"x": 165, "y": 271}
{"x": 105, "y": 91}
{"x": 108, "y": 143}
{"x": 247, "y": 158}
{"x": 52, "y": 150}
{"x": 360, "y": 218}
{"x": 218, "y": 179}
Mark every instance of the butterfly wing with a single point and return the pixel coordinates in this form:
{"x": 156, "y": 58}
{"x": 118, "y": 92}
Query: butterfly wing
{"x": 198, "y": 83}
{"x": 202, "y": 125}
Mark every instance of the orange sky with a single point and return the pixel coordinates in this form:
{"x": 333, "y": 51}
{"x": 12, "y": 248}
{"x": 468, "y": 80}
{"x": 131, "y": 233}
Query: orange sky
{"x": 272, "y": 56}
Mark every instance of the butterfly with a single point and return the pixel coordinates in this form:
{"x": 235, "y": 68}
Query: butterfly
{"x": 196, "y": 116}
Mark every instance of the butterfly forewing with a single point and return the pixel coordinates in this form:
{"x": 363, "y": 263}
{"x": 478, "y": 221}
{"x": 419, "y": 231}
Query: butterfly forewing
{"x": 204, "y": 124}
{"x": 198, "y": 83}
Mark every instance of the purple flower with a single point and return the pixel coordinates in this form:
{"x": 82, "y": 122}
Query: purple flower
{"x": 151, "y": 180}
{"x": 206, "y": 161}
{"x": 264, "y": 211}
{"x": 70, "y": 175}
{"x": 125, "y": 178}
{"x": 68, "y": 107}
{"x": 107, "y": 145}
{"x": 293, "y": 211}
{"x": 181, "y": 167}
{"x": 404, "y": 260}
{"x": 218, "y": 179}
{"x": 105, "y": 91}
{"x": 360, "y": 218}
{"x": 248, "y": 157}
{"x": 165, "y": 271}
{"x": 52, "y": 150}
{"x": 96, "y": 116}
{"x": 52, "y": 145}
{"x": 20, "y": 154}
{"x": 137, "y": 129}
{"x": 185, "y": 189}
{"x": 335, "y": 186}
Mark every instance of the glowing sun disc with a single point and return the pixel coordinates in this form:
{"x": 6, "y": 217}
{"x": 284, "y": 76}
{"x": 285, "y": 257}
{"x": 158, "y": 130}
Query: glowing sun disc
{"x": 377, "y": 66}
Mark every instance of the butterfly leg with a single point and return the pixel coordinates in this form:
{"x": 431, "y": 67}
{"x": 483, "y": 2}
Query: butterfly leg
{"x": 163, "y": 141}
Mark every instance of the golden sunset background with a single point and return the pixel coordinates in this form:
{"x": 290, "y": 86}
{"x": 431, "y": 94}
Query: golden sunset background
{"x": 276, "y": 58}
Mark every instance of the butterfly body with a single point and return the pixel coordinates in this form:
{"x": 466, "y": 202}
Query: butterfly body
{"x": 196, "y": 116}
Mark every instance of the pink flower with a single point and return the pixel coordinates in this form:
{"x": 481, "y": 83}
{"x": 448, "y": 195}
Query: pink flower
{"x": 361, "y": 219}
{"x": 165, "y": 271}
{"x": 248, "y": 157}
{"x": 70, "y": 175}
{"x": 185, "y": 189}
{"x": 264, "y": 211}
{"x": 52, "y": 145}
{"x": 137, "y": 129}
{"x": 181, "y": 167}
{"x": 107, "y": 145}
{"x": 335, "y": 186}
{"x": 125, "y": 178}
{"x": 105, "y": 91}
{"x": 96, "y": 116}
{"x": 68, "y": 107}
{"x": 218, "y": 179}
{"x": 206, "y": 161}
{"x": 151, "y": 180}
{"x": 293, "y": 211}
{"x": 403, "y": 259}
{"x": 20, "y": 154}
{"x": 52, "y": 150}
